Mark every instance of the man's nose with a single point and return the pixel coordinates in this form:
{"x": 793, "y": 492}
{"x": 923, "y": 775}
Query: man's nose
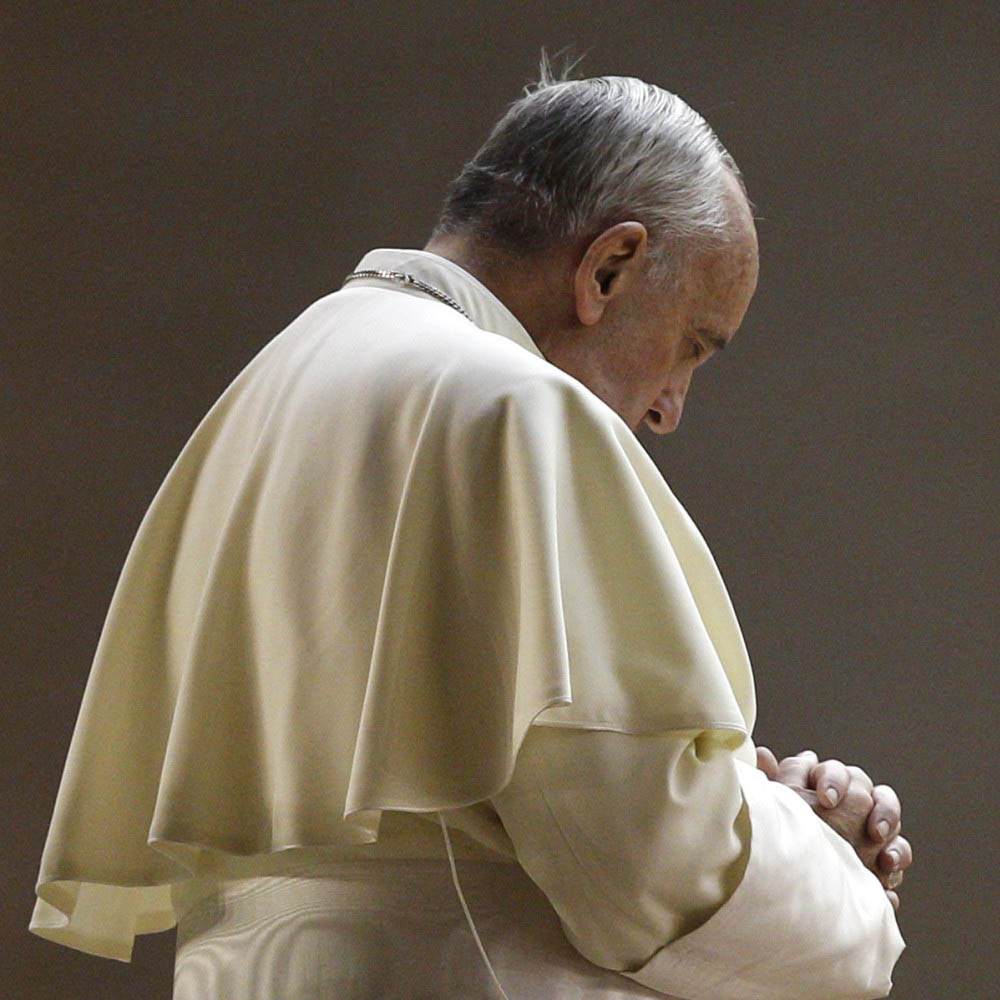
{"x": 665, "y": 413}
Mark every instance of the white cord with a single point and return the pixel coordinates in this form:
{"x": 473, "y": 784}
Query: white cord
{"x": 468, "y": 915}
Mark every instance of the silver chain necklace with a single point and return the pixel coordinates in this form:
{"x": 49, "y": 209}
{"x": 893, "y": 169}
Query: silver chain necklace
{"x": 409, "y": 279}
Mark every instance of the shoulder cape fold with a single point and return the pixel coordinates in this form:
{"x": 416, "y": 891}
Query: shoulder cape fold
{"x": 367, "y": 573}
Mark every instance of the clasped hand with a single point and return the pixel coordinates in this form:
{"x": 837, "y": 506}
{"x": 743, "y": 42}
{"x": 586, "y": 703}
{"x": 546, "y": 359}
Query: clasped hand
{"x": 866, "y": 815}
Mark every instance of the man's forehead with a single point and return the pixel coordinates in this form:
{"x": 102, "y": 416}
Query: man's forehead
{"x": 728, "y": 282}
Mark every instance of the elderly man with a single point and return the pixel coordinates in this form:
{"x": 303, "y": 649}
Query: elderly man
{"x": 419, "y": 682}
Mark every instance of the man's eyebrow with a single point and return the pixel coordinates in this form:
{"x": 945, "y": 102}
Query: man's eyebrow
{"x": 717, "y": 340}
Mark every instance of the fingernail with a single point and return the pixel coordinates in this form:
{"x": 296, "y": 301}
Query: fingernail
{"x": 832, "y": 795}
{"x": 894, "y": 858}
{"x": 883, "y": 829}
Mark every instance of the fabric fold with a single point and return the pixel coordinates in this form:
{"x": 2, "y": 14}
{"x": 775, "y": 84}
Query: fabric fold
{"x": 808, "y": 921}
{"x": 395, "y": 542}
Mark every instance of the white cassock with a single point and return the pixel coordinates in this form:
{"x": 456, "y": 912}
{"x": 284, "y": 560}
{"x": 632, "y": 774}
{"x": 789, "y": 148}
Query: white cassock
{"x": 406, "y": 569}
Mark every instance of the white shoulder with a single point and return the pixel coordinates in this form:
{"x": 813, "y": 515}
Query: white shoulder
{"x": 414, "y": 355}
{"x": 500, "y": 375}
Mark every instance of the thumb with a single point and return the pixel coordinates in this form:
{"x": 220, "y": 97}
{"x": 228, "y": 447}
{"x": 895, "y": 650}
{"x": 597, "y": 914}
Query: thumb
{"x": 767, "y": 762}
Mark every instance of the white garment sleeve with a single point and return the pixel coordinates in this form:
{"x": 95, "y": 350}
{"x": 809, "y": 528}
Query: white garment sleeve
{"x": 673, "y": 862}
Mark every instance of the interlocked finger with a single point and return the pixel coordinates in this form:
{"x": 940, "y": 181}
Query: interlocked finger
{"x": 884, "y": 819}
{"x": 860, "y": 777}
{"x": 795, "y": 770}
{"x": 831, "y": 779}
{"x": 896, "y": 856}
{"x": 767, "y": 762}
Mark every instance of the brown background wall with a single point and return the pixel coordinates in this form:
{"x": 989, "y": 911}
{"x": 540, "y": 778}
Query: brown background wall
{"x": 183, "y": 179}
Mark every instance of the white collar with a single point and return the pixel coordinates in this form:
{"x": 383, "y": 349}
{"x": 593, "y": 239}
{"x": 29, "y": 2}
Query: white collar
{"x": 483, "y": 307}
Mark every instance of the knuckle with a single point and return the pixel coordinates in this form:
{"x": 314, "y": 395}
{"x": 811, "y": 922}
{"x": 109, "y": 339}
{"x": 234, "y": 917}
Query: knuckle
{"x": 887, "y": 797}
{"x": 792, "y": 774}
{"x": 858, "y": 774}
{"x": 859, "y": 798}
{"x": 831, "y": 770}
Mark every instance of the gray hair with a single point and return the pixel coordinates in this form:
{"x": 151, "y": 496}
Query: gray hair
{"x": 573, "y": 157}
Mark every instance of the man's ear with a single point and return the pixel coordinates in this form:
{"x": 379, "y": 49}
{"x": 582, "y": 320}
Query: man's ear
{"x": 609, "y": 268}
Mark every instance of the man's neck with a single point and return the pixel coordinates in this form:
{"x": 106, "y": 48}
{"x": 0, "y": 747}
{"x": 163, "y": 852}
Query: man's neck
{"x": 535, "y": 291}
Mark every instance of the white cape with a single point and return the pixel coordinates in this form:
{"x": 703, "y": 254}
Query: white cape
{"x": 397, "y": 540}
